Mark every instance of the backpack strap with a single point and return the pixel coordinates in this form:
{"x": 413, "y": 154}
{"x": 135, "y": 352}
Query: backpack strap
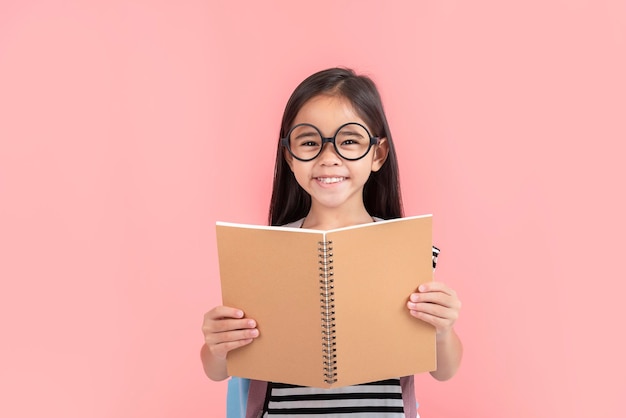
{"x": 256, "y": 398}
{"x": 407, "y": 383}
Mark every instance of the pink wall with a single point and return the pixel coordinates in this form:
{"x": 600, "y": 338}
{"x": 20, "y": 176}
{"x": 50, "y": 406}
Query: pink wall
{"x": 118, "y": 123}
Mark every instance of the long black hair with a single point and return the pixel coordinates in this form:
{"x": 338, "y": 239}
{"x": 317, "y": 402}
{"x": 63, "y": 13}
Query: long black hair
{"x": 381, "y": 193}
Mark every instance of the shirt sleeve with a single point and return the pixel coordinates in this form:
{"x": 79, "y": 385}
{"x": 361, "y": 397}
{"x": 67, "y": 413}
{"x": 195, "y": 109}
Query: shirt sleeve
{"x": 436, "y": 252}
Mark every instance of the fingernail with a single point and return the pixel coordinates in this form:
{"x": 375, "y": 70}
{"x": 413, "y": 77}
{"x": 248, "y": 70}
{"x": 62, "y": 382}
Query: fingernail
{"x": 251, "y": 323}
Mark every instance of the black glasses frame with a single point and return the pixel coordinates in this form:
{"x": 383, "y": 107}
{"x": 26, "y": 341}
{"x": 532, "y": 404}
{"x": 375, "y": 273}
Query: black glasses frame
{"x": 374, "y": 140}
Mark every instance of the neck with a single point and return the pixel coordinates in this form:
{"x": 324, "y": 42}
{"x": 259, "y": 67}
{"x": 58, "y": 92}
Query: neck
{"x": 330, "y": 218}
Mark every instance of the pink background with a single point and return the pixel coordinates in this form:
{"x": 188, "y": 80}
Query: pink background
{"x": 129, "y": 127}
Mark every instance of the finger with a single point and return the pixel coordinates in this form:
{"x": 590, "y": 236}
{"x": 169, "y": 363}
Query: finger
{"x": 222, "y": 349}
{"x": 220, "y": 312}
{"x": 433, "y": 309}
{"x": 433, "y": 297}
{"x": 225, "y": 325}
{"x": 230, "y": 336}
{"x": 439, "y": 323}
{"x": 438, "y": 298}
{"x": 433, "y": 313}
{"x": 225, "y": 318}
{"x": 435, "y": 287}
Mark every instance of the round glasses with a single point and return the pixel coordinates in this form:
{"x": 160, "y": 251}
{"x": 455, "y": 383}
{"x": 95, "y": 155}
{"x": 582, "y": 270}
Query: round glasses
{"x": 352, "y": 141}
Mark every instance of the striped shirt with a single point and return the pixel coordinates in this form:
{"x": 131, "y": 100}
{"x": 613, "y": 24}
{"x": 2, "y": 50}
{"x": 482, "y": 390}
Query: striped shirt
{"x": 378, "y": 399}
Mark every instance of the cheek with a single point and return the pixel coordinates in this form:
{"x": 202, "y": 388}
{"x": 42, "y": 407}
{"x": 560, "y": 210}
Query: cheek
{"x": 300, "y": 174}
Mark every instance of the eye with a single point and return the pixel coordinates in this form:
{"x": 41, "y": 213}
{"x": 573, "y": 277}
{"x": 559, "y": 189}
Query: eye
{"x": 309, "y": 140}
{"x": 304, "y": 137}
{"x": 310, "y": 143}
{"x": 350, "y": 141}
{"x": 350, "y": 138}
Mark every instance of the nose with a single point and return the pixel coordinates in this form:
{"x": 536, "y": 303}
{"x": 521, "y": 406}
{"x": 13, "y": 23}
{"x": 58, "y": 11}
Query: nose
{"x": 329, "y": 155}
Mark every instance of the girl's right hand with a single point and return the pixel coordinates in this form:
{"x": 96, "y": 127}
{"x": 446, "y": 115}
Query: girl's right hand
{"x": 226, "y": 328}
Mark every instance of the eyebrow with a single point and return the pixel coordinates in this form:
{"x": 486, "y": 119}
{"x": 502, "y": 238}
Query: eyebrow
{"x": 344, "y": 132}
{"x": 306, "y": 134}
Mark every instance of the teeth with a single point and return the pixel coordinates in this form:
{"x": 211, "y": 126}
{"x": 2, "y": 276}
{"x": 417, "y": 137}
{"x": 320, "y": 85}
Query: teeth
{"x": 329, "y": 180}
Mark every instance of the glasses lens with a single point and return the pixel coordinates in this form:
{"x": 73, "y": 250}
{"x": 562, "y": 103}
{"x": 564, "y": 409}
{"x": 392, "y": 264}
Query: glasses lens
{"x": 305, "y": 142}
{"x": 352, "y": 141}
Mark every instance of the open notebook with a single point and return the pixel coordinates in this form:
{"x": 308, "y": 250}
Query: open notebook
{"x": 330, "y": 305}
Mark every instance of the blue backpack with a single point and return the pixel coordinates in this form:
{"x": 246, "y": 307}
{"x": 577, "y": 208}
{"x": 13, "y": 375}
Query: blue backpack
{"x": 237, "y": 397}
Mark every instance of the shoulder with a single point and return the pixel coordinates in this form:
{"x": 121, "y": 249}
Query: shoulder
{"x": 296, "y": 224}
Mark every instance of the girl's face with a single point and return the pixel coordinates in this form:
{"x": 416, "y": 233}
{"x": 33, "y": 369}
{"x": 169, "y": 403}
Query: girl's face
{"x": 331, "y": 181}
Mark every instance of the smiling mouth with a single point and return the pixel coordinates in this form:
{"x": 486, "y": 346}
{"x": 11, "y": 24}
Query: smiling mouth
{"x": 330, "y": 180}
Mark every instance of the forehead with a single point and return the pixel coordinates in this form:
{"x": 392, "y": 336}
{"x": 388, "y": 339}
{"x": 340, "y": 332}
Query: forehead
{"x": 327, "y": 113}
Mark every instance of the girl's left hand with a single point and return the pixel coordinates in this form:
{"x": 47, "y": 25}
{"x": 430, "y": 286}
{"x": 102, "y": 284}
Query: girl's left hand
{"x": 436, "y": 304}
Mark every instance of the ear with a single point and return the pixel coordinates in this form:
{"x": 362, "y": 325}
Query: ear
{"x": 381, "y": 151}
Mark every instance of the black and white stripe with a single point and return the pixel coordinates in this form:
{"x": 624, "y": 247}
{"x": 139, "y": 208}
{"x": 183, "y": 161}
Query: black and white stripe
{"x": 378, "y": 399}
{"x": 436, "y": 252}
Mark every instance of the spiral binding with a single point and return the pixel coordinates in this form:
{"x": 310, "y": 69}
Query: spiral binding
{"x": 327, "y": 304}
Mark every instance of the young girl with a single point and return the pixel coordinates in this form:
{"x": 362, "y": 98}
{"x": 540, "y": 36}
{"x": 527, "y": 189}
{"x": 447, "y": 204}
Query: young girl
{"x": 352, "y": 179}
